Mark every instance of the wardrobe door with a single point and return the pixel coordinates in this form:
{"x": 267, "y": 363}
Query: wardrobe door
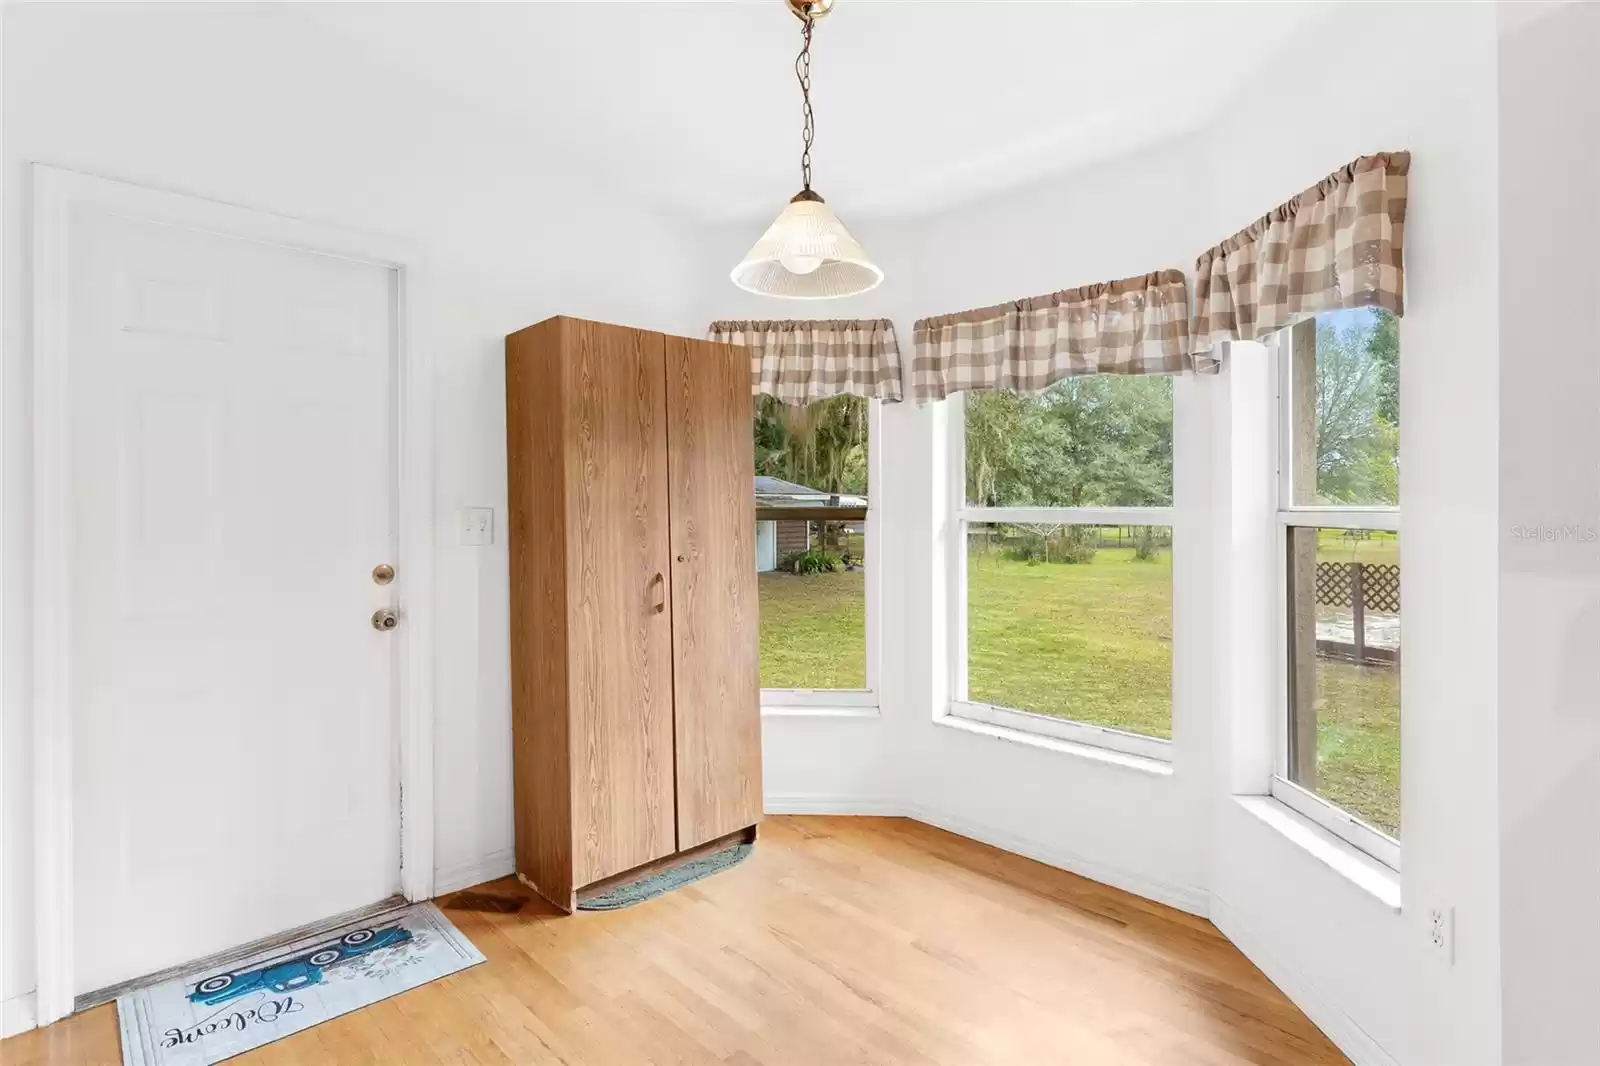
{"x": 619, "y": 631}
{"x": 716, "y": 682}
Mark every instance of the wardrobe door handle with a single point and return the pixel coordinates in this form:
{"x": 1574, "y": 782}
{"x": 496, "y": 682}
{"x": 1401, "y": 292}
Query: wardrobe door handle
{"x": 661, "y": 603}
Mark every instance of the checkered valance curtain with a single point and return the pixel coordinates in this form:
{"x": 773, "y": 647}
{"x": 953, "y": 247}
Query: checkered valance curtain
{"x": 800, "y": 361}
{"x": 1336, "y": 245}
{"x": 1133, "y": 326}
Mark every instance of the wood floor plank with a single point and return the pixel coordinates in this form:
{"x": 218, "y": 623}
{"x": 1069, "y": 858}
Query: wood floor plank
{"x": 869, "y": 941}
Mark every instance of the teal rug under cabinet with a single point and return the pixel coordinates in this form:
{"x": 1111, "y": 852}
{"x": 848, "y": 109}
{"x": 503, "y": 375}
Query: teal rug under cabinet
{"x": 653, "y": 885}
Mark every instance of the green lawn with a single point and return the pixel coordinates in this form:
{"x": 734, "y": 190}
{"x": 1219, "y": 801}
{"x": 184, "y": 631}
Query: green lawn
{"x": 1358, "y": 707}
{"x": 1358, "y": 740}
{"x": 1091, "y": 642}
{"x": 813, "y": 630}
{"x": 1340, "y": 546}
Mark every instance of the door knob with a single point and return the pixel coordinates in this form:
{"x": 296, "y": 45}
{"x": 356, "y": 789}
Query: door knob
{"x": 382, "y": 574}
{"x": 384, "y": 619}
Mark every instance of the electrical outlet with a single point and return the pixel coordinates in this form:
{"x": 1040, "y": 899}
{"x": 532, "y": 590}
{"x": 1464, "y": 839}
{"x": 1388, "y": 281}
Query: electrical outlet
{"x": 476, "y": 525}
{"x": 1440, "y": 930}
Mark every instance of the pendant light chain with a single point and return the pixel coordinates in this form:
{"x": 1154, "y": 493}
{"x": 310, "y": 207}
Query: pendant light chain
{"x": 802, "y": 73}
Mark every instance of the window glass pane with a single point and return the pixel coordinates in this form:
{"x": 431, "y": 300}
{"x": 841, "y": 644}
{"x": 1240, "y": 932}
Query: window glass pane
{"x": 1072, "y": 622}
{"x": 811, "y": 526}
{"x": 1345, "y": 408}
{"x": 1344, "y": 670}
{"x": 1103, "y": 441}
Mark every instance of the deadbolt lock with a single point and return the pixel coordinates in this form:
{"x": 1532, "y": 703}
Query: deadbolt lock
{"x": 382, "y": 574}
{"x": 384, "y": 619}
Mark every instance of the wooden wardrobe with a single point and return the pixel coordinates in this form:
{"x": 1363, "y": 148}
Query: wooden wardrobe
{"x": 636, "y": 717}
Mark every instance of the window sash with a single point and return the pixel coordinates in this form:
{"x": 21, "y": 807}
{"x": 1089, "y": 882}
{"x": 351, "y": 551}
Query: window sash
{"x": 1343, "y": 824}
{"x": 962, "y": 515}
{"x": 854, "y": 697}
{"x": 1077, "y": 516}
{"x": 1380, "y": 518}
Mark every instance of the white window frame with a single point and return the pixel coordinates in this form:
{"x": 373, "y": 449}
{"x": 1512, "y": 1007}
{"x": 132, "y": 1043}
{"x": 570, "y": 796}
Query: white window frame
{"x": 964, "y": 515}
{"x": 1335, "y": 819}
{"x": 828, "y": 699}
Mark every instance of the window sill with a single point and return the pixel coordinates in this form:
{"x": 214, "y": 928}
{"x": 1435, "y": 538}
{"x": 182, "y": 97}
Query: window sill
{"x": 1104, "y": 756}
{"x": 817, "y": 711}
{"x": 1081, "y": 734}
{"x": 1349, "y": 862}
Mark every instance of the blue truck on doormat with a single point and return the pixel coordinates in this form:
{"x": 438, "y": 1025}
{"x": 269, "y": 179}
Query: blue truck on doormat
{"x": 298, "y": 971}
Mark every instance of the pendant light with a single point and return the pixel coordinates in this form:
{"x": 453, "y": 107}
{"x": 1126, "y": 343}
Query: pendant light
{"x": 806, "y": 254}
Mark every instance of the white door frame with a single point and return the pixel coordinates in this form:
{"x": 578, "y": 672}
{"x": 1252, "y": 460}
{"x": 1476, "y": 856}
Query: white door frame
{"x": 56, "y": 192}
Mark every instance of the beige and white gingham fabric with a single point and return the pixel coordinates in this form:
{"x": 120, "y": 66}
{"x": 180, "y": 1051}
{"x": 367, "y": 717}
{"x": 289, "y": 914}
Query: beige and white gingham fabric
{"x": 1133, "y": 326}
{"x": 1336, "y": 245}
{"x": 803, "y": 360}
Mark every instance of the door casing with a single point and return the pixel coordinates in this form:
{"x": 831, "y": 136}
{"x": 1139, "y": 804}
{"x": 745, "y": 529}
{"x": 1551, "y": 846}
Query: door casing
{"x": 56, "y": 192}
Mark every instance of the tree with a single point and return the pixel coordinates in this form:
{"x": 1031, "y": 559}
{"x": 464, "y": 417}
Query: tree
{"x": 1358, "y": 411}
{"x": 1383, "y": 346}
{"x": 1083, "y": 442}
{"x": 993, "y": 422}
{"x": 822, "y": 445}
{"x": 1089, "y": 441}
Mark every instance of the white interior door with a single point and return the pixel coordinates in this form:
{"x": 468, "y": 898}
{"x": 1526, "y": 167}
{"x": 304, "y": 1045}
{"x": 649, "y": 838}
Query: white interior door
{"x": 233, "y": 486}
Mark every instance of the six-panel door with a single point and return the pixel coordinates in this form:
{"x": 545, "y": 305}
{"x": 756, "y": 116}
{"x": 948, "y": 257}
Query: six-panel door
{"x": 716, "y": 679}
{"x": 233, "y": 485}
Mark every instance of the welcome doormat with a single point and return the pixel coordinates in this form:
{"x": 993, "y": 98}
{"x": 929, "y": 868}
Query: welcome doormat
{"x": 222, "y": 1011}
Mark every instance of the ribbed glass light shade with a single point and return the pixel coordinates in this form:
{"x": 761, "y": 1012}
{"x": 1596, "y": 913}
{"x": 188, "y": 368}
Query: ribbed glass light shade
{"x": 806, "y": 254}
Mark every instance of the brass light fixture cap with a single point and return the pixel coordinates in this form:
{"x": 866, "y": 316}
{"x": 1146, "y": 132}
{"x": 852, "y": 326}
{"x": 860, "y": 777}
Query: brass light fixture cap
{"x": 810, "y": 10}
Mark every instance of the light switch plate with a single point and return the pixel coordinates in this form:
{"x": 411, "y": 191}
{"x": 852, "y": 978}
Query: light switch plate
{"x": 475, "y": 525}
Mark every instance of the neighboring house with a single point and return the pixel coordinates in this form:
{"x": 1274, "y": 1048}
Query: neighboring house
{"x": 785, "y": 511}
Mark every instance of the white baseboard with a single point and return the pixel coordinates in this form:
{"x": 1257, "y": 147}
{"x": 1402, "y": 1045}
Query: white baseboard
{"x": 491, "y": 867}
{"x": 1336, "y": 1025}
{"x": 18, "y": 1014}
{"x": 1186, "y": 898}
{"x": 813, "y": 803}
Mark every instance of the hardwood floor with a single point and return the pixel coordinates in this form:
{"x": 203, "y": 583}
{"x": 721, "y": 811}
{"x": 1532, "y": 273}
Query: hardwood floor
{"x": 840, "y": 940}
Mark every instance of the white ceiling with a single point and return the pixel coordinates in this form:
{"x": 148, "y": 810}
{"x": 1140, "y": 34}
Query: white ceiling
{"x": 919, "y": 104}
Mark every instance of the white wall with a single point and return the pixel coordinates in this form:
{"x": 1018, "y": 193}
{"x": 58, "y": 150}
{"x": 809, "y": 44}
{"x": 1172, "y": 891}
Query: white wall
{"x": 1139, "y": 831}
{"x": 1549, "y": 454}
{"x": 249, "y": 106}
{"x": 1425, "y": 82}
{"x": 288, "y": 123}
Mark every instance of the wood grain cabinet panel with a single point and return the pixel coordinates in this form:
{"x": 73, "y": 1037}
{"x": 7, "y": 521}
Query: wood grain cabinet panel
{"x": 714, "y": 600}
{"x": 619, "y": 636}
{"x": 635, "y": 691}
